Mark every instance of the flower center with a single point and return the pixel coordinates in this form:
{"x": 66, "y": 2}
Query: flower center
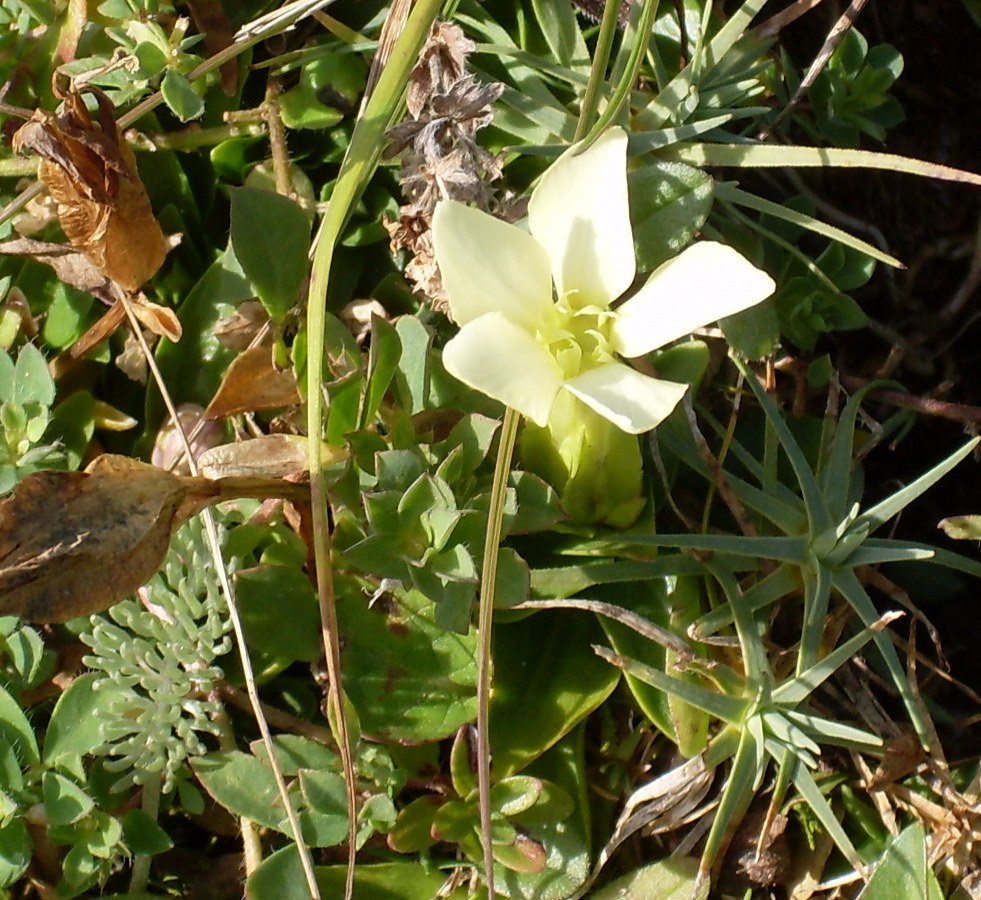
{"x": 579, "y": 338}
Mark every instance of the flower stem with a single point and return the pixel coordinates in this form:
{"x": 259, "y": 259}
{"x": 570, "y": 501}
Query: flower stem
{"x": 485, "y": 618}
{"x": 597, "y": 73}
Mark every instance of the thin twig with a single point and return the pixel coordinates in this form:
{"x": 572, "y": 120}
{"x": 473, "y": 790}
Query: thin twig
{"x": 829, "y": 46}
{"x": 247, "y": 672}
{"x": 632, "y": 620}
{"x": 277, "y": 139}
{"x": 773, "y": 26}
{"x": 719, "y": 480}
{"x": 928, "y": 406}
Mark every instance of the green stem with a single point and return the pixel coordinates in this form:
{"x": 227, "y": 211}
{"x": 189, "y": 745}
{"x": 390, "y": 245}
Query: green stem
{"x": 150, "y": 803}
{"x": 485, "y": 618}
{"x": 358, "y": 165}
{"x": 597, "y": 73}
{"x": 621, "y": 94}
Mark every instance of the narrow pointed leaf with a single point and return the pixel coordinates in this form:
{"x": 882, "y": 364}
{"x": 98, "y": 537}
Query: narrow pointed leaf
{"x": 817, "y": 512}
{"x": 815, "y": 799}
{"x": 728, "y": 709}
{"x": 882, "y": 512}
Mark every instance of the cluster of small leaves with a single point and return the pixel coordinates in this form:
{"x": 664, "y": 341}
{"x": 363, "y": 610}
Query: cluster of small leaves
{"x": 144, "y": 58}
{"x": 158, "y": 658}
{"x": 850, "y": 97}
{"x": 425, "y": 514}
{"x": 27, "y": 393}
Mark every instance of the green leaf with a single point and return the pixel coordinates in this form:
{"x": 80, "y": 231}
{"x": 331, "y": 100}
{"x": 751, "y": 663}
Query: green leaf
{"x": 16, "y": 730}
{"x": 64, "y": 801}
{"x": 31, "y": 379}
{"x": 279, "y": 613}
{"x": 383, "y": 360}
{"x": 67, "y": 316}
{"x": 324, "y": 822}
{"x": 538, "y": 504}
{"x": 903, "y": 870}
{"x": 558, "y": 25}
{"x": 180, "y": 96}
{"x": 143, "y": 835}
{"x": 193, "y": 369}
{"x": 883, "y": 511}
{"x": 295, "y": 752}
{"x": 73, "y": 425}
{"x": 515, "y": 795}
{"x": 754, "y": 332}
{"x": 6, "y": 378}
{"x": 413, "y": 828}
{"x": 672, "y": 603}
{"x": 408, "y": 678}
{"x": 412, "y": 376}
{"x": 242, "y": 784}
{"x": 280, "y": 877}
{"x": 546, "y": 673}
{"x": 559, "y": 822}
{"x": 75, "y": 726}
{"x": 513, "y": 579}
{"x": 671, "y": 879}
{"x": 669, "y": 203}
{"x": 25, "y": 648}
{"x": 330, "y": 74}
{"x": 15, "y": 852}
{"x": 463, "y": 775}
{"x": 270, "y": 236}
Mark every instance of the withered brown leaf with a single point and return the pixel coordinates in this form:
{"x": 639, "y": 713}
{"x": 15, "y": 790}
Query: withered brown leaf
{"x": 74, "y": 543}
{"x": 252, "y": 383}
{"x": 91, "y": 174}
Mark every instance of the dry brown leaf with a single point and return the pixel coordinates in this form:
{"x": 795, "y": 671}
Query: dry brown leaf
{"x": 74, "y": 268}
{"x": 158, "y": 320}
{"x": 251, "y": 383}
{"x": 238, "y": 330}
{"x": 277, "y": 455}
{"x": 91, "y": 174}
{"x": 74, "y": 543}
{"x": 71, "y": 265}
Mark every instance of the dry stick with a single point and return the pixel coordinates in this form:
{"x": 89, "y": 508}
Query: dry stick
{"x": 720, "y": 482}
{"x": 928, "y": 406}
{"x": 967, "y": 289}
{"x": 226, "y": 587}
{"x": 277, "y": 139}
{"x": 772, "y": 26}
{"x": 278, "y": 717}
{"x": 829, "y": 46}
{"x": 642, "y": 626}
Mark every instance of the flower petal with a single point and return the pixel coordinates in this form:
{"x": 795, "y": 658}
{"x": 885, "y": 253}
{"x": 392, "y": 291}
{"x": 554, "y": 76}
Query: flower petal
{"x": 627, "y": 398}
{"x": 705, "y": 283}
{"x": 501, "y": 360}
{"x": 579, "y": 214}
{"x": 490, "y": 266}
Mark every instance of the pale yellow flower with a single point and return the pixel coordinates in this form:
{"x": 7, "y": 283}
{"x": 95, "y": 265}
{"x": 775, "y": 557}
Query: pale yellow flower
{"x": 536, "y": 307}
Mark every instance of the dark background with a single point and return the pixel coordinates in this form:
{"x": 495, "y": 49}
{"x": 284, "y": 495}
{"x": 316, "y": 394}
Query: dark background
{"x": 931, "y": 226}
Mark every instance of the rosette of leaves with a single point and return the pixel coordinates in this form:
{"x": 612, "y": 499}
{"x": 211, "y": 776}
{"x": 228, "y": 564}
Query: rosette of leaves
{"x": 159, "y": 656}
